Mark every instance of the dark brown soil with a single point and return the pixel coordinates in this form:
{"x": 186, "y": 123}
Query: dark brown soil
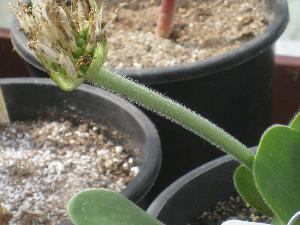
{"x": 233, "y": 208}
{"x": 202, "y": 29}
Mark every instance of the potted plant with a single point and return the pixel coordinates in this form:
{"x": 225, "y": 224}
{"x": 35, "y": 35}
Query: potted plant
{"x": 54, "y": 143}
{"x": 210, "y": 86}
{"x": 267, "y": 179}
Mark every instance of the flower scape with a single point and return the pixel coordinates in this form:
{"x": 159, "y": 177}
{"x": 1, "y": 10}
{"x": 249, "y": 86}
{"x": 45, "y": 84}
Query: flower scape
{"x": 67, "y": 38}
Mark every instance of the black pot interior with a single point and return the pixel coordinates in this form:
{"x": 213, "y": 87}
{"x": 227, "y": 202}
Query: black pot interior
{"x": 196, "y": 194}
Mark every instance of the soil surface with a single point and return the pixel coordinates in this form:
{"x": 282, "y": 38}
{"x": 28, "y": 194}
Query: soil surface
{"x": 233, "y": 208}
{"x": 202, "y": 29}
{"x": 43, "y": 164}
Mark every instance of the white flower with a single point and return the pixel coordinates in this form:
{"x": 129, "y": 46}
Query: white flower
{"x": 67, "y": 39}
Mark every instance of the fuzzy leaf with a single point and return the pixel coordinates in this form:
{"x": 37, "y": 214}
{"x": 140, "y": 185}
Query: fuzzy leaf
{"x": 245, "y": 185}
{"x": 103, "y": 207}
{"x": 276, "y": 171}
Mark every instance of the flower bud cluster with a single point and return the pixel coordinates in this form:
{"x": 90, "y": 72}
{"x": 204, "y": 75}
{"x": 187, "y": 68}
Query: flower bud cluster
{"x": 67, "y": 38}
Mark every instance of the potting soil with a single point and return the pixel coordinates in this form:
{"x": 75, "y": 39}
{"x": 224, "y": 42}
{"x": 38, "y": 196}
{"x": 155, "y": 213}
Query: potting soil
{"x": 233, "y": 208}
{"x": 202, "y": 29}
{"x": 43, "y": 164}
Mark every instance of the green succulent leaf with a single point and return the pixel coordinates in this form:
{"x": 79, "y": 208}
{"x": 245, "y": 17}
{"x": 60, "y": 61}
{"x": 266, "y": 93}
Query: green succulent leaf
{"x": 245, "y": 185}
{"x": 276, "y": 170}
{"x": 277, "y": 221}
{"x": 296, "y": 122}
{"x": 103, "y": 207}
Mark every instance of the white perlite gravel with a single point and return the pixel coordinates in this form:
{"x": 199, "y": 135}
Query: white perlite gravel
{"x": 42, "y": 164}
{"x": 143, "y": 45}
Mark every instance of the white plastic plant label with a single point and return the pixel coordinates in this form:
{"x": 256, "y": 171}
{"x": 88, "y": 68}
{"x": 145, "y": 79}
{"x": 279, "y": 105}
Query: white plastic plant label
{"x": 292, "y": 221}
{"x": 239, "y": 222}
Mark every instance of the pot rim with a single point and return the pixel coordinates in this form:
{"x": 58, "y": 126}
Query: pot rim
{"x": 187, "y": 71}
{"x": 163, "y": 198}
{"x": 150, "y": 167}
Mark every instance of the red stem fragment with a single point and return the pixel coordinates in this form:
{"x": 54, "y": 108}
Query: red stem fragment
{"x": 165, "y": 19}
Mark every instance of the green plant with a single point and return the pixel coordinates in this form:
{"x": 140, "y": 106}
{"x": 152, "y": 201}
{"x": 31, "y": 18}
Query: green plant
{"x": 71, "y": 44}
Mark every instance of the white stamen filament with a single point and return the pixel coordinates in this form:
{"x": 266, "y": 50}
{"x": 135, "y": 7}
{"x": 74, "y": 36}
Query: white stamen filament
{"x": 91, "y": 36}
{"x": 49, "y": 32}
{"x": 83, "y": 13}
{"x": 99, "y": 23}
{"x": 39, "y": 7}
{"x": 28, "y": 22}
{"x": 67, "y": 27}
{"x": 51, "y": 53}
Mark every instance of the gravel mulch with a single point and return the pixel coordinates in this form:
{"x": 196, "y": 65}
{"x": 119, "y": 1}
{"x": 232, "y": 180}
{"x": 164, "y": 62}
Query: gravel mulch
{"x": 233, "y": 208}
{"x": 43, "y": 164}
{"x": 202, "y": 29}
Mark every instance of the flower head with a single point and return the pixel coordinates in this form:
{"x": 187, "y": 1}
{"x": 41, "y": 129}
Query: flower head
{"x": 68, "y": 39}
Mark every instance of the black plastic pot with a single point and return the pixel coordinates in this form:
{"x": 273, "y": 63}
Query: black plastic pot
{"x": 233, "y": 90}
{"x": 196, "y": 192}
{"x": 32, "y": 98}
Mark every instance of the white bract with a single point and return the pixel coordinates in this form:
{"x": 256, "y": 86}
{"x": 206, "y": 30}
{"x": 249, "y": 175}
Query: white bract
{"x": 67, "y": 39}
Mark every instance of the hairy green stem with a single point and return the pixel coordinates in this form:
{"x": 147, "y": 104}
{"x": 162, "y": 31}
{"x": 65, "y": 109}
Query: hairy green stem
{"x": 174, "y": 111}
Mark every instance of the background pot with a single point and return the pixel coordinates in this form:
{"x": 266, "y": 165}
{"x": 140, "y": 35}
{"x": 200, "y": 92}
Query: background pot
{"x": 11, "y": 64}
{"x": 233, "y": 90}
{"x": 198, "y": 191}
{"x": 31, "y": 98}
{"x": 286, "y": 97}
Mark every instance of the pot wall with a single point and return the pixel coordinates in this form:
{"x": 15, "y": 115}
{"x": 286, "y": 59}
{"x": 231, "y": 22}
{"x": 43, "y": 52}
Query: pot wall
{"x": 196, "y": 192}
